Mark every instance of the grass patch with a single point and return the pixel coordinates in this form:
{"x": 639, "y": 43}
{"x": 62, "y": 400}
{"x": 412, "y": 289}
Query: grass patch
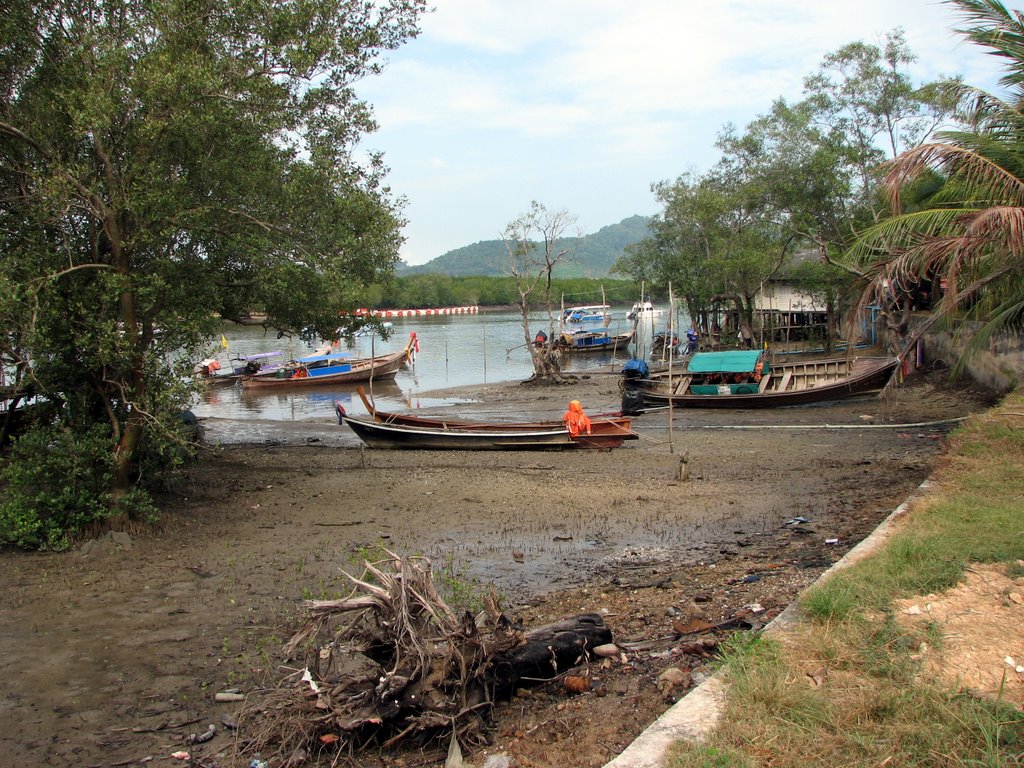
{"x": 846, "y": 687}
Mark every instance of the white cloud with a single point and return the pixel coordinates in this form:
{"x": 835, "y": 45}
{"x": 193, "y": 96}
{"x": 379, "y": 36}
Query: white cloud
{"x": 521, "y": 96}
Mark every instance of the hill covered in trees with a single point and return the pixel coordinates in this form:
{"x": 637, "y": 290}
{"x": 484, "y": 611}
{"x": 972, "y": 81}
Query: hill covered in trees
{"x": 593, "y": 255}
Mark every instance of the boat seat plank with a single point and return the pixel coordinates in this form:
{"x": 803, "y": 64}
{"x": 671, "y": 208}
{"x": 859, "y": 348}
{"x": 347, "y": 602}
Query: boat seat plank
{"x": 681, "y": 384}
{"x": 764, "y": 382}
{"x": 787, "y": 377}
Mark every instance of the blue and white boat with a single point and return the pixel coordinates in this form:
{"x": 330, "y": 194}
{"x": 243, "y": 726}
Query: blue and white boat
{"x": 586, "y": 329}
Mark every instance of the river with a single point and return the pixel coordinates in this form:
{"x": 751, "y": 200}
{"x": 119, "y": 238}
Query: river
{"x": 455, "y": 351}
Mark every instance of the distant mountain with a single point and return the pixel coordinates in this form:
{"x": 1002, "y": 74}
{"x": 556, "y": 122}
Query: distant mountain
{"x": 594, "y": 254}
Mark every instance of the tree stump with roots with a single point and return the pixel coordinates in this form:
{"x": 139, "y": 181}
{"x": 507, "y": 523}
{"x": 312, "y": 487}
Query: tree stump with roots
{"x": 393, "y": 661}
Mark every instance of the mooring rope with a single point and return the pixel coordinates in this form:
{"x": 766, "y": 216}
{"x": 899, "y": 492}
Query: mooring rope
{"x": 911, "y": 425}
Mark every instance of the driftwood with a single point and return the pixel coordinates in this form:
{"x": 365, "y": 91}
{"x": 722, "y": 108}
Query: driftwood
{"x": 392, "y": 661}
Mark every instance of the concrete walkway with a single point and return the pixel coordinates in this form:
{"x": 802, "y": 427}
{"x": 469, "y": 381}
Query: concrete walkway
{"x": 695, "y": 715}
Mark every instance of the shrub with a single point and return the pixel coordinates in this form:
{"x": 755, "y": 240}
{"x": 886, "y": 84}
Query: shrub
{"x": 56, "y": 482}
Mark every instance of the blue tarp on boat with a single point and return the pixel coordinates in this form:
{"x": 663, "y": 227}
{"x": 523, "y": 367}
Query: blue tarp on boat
{"x": 742, "y": 361}
{"x": 319, "y": 358}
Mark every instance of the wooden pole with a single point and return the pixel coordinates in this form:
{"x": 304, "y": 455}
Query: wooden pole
{"x": 373, "y": 355}
{"x": 671, "y": 359}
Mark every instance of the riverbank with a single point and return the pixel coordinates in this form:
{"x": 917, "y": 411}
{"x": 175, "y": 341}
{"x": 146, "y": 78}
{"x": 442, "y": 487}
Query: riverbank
{"x": 113, "y": 652}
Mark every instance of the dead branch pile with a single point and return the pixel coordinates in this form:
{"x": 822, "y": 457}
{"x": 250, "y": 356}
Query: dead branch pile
{"x": 393, "y": 660}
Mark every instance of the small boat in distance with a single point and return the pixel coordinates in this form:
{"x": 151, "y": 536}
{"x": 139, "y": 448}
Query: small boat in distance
{"x": 332, "y": 368}
{"x": 746, "y": 379}
{"x": 211, "y": 372}
{"x": 585, "y": 329}
{"x": 393, "y": 430}
{"x": 644, "y": 309}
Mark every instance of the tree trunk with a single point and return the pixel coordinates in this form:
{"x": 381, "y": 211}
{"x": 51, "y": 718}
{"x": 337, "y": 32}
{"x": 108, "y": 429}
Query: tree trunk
{"x": 121, "y": 481}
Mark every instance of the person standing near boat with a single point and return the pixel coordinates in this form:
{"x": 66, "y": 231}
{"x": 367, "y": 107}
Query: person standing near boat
{"x": 692, "y": 338}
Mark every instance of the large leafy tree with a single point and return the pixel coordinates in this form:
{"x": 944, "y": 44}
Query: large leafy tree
{"x": 801, "y": 177}
{"x": 165, "y": 160}
{"x": 958, "y": 201}
{"x": 680, "y": 249}
{"x": 864, "y": 94}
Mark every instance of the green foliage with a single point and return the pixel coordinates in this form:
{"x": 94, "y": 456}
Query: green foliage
{"x": 704, "y": 756}
{"x": 164, "y": 163}
{"x": 956, "y": 204}
{"x": 460, "y": 590}
{"x": 798, "y": 179}
{"x": 55, "y": 485}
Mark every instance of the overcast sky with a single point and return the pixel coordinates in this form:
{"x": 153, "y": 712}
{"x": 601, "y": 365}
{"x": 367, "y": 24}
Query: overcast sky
{"x": 583, "y": 104}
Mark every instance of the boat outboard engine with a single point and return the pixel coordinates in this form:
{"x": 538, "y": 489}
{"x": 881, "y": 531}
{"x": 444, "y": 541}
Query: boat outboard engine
{"x": 340, "y": 410}
{"x": 632, "y": 402}
{"x": 632, "y": 397}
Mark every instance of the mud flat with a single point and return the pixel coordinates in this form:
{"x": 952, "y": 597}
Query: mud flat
{"x": 113, "y": 652}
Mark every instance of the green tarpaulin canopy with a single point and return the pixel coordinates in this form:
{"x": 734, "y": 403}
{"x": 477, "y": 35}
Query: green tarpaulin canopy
{"x": 742, "y": 361}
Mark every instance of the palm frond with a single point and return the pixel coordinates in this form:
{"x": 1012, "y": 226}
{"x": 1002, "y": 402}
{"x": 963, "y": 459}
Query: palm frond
{"x": 1000, "y": 228}
{"x": 967, "y": 167}
{"x": 891, "y": 236}
{"x": 1000, "y": 30}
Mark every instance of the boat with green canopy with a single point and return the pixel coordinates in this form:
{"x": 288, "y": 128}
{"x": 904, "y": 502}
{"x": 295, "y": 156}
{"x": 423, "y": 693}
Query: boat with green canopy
{"x": 748, "y": 379}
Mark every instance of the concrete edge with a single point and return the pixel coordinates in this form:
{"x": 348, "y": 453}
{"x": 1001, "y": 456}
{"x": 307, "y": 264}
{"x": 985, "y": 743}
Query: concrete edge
{"x": 699, "y": 711}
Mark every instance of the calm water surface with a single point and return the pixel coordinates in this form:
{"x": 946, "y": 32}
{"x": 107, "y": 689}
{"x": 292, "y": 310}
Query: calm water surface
{"x": 455, "y": 351}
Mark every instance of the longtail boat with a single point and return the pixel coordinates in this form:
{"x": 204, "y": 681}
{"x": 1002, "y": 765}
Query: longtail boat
{"x": 746, "y": 379}
{"x": 332, "y": 368}
{"x": 585, "y": 329}
{"x": 393, "y": 430}
{"x": 210, "y": 372}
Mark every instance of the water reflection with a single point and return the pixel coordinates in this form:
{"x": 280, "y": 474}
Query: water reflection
{"x": 457, "y": 350}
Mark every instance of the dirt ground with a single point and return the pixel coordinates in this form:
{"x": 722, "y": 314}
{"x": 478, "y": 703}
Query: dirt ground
{"x": 982, "y": 648}
{"x": 111, "y": 654}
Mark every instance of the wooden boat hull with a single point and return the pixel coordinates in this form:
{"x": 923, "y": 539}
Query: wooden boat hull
{"x": 862, "y": 376}
{"x": 379, "y": 435}
{"x": 384, "y": 367}
{"x": 595, "y": 343}
{"x": 220, "y": 380}
{"x": 605, "y": 432}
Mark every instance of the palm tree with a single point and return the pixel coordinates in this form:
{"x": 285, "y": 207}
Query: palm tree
{"x": 967, "y": 230}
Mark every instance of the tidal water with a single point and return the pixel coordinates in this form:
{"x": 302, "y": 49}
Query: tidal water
{"x": 455, "y": 351}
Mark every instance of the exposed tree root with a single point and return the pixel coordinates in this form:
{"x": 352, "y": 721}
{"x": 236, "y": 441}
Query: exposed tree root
{"x": 393, "y": 661}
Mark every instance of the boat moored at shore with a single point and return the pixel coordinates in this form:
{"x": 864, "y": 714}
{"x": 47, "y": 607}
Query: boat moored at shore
{"x": 747, "y": 379}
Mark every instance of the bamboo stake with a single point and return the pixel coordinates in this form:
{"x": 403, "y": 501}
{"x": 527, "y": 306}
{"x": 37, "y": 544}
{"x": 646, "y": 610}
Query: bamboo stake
{"x": 373, "y": 356}
{"x": 671, "y": 359}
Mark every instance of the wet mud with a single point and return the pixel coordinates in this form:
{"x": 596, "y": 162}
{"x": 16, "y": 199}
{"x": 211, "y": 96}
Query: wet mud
{"x": 113, "y": 652}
